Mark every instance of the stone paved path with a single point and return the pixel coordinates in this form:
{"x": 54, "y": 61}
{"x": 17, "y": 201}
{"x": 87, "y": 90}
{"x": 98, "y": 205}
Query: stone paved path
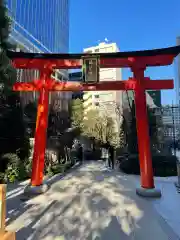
{"x": 89, "y": 203}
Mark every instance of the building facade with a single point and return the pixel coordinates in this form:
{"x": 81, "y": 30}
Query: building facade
{"x": 156, "y": 97}
{"x": 107, "y": 102}
{"x": 98, "y": 99}
{"x": 76, "y": 77}
{"x": 41, "y": 26}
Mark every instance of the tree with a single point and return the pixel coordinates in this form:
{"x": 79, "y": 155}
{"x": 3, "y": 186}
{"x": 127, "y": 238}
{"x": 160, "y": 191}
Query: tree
{"x": 92, "y": 125}
{"x": 30, "y": 112}
{"x": 4, "y": 25}
{"x": 77, "y": 113}
{"x": 13, "y": 129}
{"x": 101, "y": 128}
{"x": 7, "y": 72}
{"x": 153, "y": 130}
{"x": 12, "y": 126}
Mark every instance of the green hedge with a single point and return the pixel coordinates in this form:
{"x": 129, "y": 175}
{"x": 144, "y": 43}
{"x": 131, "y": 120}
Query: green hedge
{"x": 13, "y": 169}
{"x": 60, "y": 168}
{"x": 162, "y": 165}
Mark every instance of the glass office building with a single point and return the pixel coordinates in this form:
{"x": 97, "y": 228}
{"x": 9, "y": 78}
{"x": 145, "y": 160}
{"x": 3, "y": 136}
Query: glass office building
{"x": 40, "y": 25}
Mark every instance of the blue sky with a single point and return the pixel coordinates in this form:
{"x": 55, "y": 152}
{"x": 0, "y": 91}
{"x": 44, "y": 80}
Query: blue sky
{"x": 132, "y": 24}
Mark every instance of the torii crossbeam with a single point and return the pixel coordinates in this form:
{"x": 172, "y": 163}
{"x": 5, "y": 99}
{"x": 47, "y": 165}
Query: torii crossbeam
{"x": 137, "y": 61}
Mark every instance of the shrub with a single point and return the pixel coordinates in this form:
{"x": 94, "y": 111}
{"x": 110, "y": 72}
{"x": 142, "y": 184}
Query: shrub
{"x": 162, "y": 165}
{"x": 68, "y": 165}
{"x": 3, "y": 163}
{"x": 15, "y": 168}
{"x": 2, "y": 180}
{"x": 11, "y": 158}
{"x": 11, "y": 174}
{"x": 22, "y": 172}
{"x": 24, "y": 151}
{"x": 13, "y": 128}
{"x": 58, "y": 168}
{"x": 28, "y": 167}
{"x": 49, "y": 171}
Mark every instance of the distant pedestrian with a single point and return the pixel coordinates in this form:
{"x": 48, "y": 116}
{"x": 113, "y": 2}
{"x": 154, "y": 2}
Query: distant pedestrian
{"x": 80, "y": 152}
{"x": 108, "y": 160}
{"x": 105, "y": 154}
{"x": 111, "y": 156}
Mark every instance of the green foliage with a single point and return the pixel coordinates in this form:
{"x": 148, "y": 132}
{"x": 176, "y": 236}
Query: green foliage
{"x": 7, "y": 72}
{"x": 17, "y": 173}
{"x": 13, "y": 164}
{"x": 93, "y": 125}
{"x": 2, "y": 176}
{"x": 13, "y": 129}
{"x": 77, "y": 113}
{"x": 13, "y": 132}
{"x": 162, "y": 165}
{"x": 112, "y": 136}
{"x": 12, "y": 159}
{"x": 154, "y": 133}
{"x": 11, "y": 174}
{"x": 132, "y": 133}
{"x": 30, "y": 111}
{"x": 58, "y": 123}
{"x": 27, "y": 166}
{"x": 122, "y": 134}
{"x": 58, "y": 168}
{"x": 5, "y": 23}
{"x": 101, "y": 128}
{"x": 49, "y": 171}
{"x": 14, "y": 168}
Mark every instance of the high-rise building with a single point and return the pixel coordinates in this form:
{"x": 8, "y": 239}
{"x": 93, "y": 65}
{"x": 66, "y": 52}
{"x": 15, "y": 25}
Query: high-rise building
{"x": 98, "y": 99}
{"x": 41, "y": 26}
{"x": 76, "y": 77}
{"x": 156, "y": 97}
{"x": 177, "y": 82}
{"x": 105, "y": 101}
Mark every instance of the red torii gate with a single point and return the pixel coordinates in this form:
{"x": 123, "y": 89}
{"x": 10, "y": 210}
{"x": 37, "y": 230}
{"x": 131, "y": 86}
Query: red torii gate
{"x": 137, "y": 61}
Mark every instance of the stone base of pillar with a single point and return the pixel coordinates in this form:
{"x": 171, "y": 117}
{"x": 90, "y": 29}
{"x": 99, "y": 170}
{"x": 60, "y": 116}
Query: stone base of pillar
{"x": 148, "y": 192}
{"x": 32, "y": 191}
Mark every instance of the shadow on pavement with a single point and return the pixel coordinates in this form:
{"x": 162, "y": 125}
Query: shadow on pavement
{"x": 89, "y": 203}
{"x": 14, "y": 196}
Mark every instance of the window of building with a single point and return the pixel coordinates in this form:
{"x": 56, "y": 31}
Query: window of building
{"x": 97, "y": 50}
{"x": 96, "y": 96}
{"x": 96, "y": 104}
{"x": 90, "y": 51}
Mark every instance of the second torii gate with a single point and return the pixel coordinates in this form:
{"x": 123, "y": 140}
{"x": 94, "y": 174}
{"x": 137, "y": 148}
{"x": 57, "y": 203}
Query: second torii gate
{"x": 137, "y": 61}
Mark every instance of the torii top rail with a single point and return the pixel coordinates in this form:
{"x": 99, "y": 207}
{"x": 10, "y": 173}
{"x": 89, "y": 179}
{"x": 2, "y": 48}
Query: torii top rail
{"x": 138, "y": 61}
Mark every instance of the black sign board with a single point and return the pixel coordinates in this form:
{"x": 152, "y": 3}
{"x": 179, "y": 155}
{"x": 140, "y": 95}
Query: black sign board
{"x": 90, "y": 69}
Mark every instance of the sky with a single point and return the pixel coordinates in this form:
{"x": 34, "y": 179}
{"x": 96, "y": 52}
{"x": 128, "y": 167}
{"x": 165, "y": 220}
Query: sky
{"x": 132, "y": 24}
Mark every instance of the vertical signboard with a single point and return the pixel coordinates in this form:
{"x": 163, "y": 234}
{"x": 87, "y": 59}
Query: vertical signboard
{"x": 90, "y": 69}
